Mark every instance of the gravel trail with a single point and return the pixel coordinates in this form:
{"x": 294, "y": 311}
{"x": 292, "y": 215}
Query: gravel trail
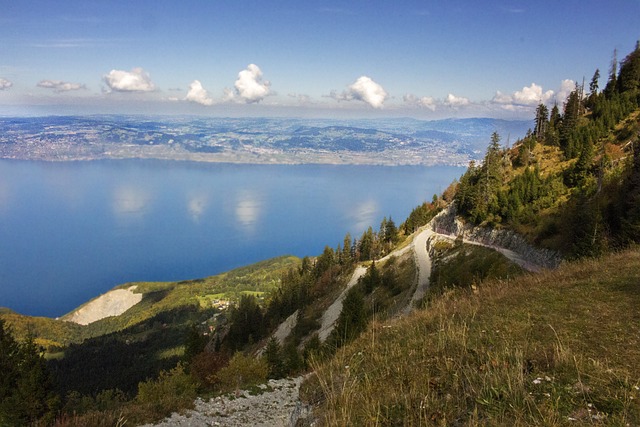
{"x": 276, "y": 406}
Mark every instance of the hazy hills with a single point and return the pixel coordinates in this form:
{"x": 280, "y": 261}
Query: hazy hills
{"x": 274, "y": 141}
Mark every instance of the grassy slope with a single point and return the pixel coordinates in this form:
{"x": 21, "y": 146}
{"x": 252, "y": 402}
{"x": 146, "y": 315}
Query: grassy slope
{"x": 559, "y": 348}
{"x": 159, "y": 298}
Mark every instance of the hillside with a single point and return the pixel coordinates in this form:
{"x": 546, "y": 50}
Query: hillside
{"x": 556, "y": 348}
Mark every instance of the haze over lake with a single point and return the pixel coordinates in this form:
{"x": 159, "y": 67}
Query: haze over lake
{"x": 70, "y": 231}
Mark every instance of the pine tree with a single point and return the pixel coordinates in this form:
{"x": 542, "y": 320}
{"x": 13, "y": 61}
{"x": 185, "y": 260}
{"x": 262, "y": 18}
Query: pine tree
{"x": 629, "y": 77}
{"x": 194, "y": 343}
{"x": 391, "y": 231}
{"x": 346, "y": 250}
{"x": 542, "y": 121}
{"x": 631, "y": 203}
{"x": 610, "y": 89}
{"x": 26, "y": 385}
{"x": 593, "y": 86}
{"x": 569, "y": 124}
{"x": 352, "y": 320}
{"x": 274, "y": 358}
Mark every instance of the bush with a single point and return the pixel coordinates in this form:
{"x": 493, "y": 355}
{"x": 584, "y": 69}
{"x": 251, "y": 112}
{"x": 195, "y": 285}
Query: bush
{"x": 172, "y": 391}
{"x": 242, "y": 371}
{"x": 205, "y": 366}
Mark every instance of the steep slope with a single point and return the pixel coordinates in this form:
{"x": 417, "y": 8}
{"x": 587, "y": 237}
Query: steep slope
{"x": 557, "y": 348}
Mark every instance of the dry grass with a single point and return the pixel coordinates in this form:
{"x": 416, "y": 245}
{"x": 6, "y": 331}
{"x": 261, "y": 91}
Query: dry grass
{"x": 559, "y": 348}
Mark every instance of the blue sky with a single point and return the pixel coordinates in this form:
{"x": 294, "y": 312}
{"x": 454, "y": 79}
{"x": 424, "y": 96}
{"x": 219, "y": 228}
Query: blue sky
{"x": 423, "y": 59}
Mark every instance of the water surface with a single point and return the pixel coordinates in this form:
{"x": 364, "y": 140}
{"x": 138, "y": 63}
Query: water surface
{"x": 71, "y": 231}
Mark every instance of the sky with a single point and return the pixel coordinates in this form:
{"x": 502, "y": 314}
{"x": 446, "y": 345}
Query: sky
{"x": 305, "y": 58}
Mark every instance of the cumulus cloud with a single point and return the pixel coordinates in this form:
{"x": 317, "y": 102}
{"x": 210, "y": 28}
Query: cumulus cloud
{"x": 528, "y": 96}
{"x": 198, "y": 94}
{"x": 456, "y": 101}
{"x": 425, "y": 101}
{"x": 60, "y": 86}
{"x": 363, "y": 89}
{"x": 532, "y": 95}
{"x": 250, "y": 86}
{"x": 136, "y": 80}
{"x": 566, "y": 87}
{"x": 502, "y": 98}
{"x": 5, "y": 84}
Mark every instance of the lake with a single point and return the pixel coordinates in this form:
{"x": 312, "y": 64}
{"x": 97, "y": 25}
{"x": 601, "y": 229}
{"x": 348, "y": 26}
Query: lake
{"x": 70, "y": 231}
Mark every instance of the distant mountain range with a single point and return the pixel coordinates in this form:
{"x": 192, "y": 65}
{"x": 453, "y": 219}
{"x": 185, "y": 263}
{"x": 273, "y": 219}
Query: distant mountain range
{"x": 263, "y": 140}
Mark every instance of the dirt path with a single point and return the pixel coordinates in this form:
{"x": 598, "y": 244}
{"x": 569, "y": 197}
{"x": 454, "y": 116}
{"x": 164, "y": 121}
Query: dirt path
{"x": 332, "y": 313}
{"x": 423, "y": 264}
{"x": 276, "y": 405}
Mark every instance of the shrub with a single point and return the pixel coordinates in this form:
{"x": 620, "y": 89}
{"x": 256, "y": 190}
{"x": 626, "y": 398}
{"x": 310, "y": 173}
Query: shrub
{"x": 242, "y": 371}
{"x": 171, "y": 391}
{"x": 205, "y": 366}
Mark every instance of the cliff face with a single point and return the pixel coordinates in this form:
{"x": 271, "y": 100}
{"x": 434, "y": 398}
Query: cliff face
{"x": 448, "y": 223}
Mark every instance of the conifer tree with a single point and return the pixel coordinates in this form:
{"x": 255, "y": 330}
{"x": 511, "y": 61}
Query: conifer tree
{"x": 274, "y": 358}
{"x": 629, "y": 77}
{"x": 352, "y": 320}
{"x": 631, "y": 203}
{"x": 346, "y": 250}
{"x": 610, "y": 89}
{"x": 542, "y": 121}
{"x": 26, "y": 385}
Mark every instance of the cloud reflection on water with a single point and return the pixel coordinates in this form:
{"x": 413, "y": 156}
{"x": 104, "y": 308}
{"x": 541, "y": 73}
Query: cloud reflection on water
{"x": 196, "y": 206}
{"x": 128, "y": 201}
{"x": 364, "y": 214}
{"x": 248, "y": 211}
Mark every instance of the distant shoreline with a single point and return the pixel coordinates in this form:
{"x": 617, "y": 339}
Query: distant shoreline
{"x": 309, "y": 158}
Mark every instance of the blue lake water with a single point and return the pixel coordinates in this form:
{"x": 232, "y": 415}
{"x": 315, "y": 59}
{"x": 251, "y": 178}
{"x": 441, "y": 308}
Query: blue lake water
{"x": 71, "y": 231}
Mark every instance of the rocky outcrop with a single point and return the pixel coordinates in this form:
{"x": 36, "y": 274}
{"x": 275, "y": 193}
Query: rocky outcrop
{"x": 447, "y": 222}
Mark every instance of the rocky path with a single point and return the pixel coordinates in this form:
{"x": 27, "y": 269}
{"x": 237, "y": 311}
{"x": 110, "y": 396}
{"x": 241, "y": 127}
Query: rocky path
{"x": 276, "y": 405}
{"x": 423, "y": 264}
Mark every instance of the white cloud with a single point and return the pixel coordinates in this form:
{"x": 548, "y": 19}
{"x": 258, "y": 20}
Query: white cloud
{"x": 456, "y": 101}
{"x": 228, "y": 95}
{"x": 198, "y": 94}
{"x": 250, "y": 86}
{"x": 532, "y": 95}
{"x": 566, "y": 87}
{"x": 60, "y": 86}
{"x": 363, "y": 89}
{"x": 502, "y": 98}
{"x": 5, "y": 84}
{"x": 425, "y": 101}
{"x": 136, "y": 80}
